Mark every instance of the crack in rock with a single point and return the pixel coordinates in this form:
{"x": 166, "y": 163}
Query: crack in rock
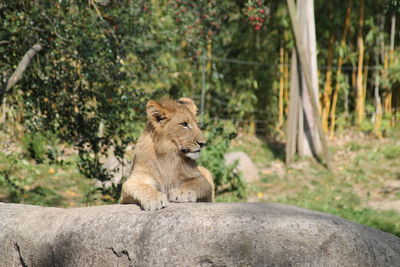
{"x": 21, "y": 260}
{"x": 121, "y": 253}
{"x": 206, "y": 263}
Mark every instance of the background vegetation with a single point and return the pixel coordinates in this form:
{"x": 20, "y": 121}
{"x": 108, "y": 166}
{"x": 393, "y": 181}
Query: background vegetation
{"x": 82, "y": 97}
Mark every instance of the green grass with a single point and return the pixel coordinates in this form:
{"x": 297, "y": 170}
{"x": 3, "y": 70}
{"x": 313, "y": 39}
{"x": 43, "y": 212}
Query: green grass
{"x": 23, "y": 180}
{"x": 356, "y": 146}
{"x": 344, "y": 203}
{"x": 361, "y": 170}
{"x": 392, "y": 152}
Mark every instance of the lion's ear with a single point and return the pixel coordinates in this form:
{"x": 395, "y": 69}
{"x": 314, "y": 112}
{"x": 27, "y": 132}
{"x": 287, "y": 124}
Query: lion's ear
{"x": 155, "y": 111}
{"x": 189, "y": 103}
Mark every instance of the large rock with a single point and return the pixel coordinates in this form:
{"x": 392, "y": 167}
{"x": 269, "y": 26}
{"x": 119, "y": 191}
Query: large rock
{"x": 118, "y": 169}
{"x": 198, "y": 234}
{"x": 245, "y": 165}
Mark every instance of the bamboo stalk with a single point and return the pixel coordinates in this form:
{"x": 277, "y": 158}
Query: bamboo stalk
{"x": 387, "y": 101}
{"x": 365, "y": 84}
{"x": 391, "y": 58}
{"x": 281, "y": 88}
{"x": 360, "y": 41}
{"x": 286, "y": 75}
{"x": 339, "y": 71}
{"x": 378, "y": 105}
{"x": 328, "y": 85}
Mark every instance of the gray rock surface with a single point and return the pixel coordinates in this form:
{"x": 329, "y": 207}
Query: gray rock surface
{"x": 245, "y": 165}
{"x": 196, "y": 234}
{"x": 118, "y": 170}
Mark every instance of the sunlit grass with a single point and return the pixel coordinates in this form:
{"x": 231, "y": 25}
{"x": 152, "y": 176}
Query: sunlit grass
{"x": 23, "y": 180}
{"x": 357, "y": 177}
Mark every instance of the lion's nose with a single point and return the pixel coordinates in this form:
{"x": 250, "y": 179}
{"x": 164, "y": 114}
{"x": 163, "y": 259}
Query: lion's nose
{"x": 201, "y": 143}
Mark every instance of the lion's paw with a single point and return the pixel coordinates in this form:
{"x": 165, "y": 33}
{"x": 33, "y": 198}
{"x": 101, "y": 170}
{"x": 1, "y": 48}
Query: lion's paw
{"x": 154, "y": 203}
{"x": 182, "y": 195}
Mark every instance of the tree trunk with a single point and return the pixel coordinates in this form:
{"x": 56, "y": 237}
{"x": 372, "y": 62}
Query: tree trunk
{"x": 294, "y": 109}
{"x": 339, "y": 70}
{"x": 309, "y": 138}
{"x": 303, "y": 25}
{"x": 392, "y": 37}
{"x": 23, "y": 64}
{"x": 360, "y": 108}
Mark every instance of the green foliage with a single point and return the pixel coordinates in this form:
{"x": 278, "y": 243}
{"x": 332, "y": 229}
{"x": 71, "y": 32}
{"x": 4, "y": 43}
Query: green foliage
{"x": 367, "y": 126}
{"x": 257, "y": 12}
{"x": 14, "y": 186}
{"x": 198, "y": 21}
{"x": 42, "y": 147}
{"x": 226, "y": 178}
{"x": 34, "y": 144}
{"x": 77, "y": 86}
{"x": 393, "y": 72}
{"x": 102, "y": 63}
{"x": 21, "y": 189}
{"x": 392, "y": 152}
{"x": 103, "y": 60}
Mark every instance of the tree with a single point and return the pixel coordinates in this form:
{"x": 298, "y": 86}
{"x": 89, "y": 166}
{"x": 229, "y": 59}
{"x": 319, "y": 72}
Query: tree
{"x": 304, "y": 104}
{"x": 80, "y": 86}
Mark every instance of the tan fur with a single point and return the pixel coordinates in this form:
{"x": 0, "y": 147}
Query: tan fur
{"x": 163, "y": 166}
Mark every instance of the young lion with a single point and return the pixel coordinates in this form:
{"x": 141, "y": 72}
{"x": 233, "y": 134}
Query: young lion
{"x": 165, "y": 158}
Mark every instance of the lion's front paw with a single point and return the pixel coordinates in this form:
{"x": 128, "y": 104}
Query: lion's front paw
{"x": 182, "y": 195}
{"x": 156, "y": 203}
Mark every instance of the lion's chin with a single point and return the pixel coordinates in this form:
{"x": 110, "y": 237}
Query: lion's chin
{"x": 193, "y": 155}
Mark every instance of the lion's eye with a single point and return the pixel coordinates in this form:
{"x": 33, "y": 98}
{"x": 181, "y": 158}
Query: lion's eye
{"x": 184, "y": 124}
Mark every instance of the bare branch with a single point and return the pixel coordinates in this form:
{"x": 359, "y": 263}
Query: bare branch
{"x": 23, "y": 64}
{"x": 54, "y": 28}
{"x": 101, "y": 17}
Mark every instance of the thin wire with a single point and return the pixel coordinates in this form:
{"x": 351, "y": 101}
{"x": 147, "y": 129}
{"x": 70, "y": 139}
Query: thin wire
{"x": 259, "y": 63}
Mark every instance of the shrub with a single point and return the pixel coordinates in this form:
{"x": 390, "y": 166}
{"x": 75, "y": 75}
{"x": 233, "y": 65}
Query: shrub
{"x": 19, "y": 187}
{"x": 226, "y": 178}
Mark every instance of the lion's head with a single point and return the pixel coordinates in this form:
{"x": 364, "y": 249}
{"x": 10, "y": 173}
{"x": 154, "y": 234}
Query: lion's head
{"x": 174, "y": 127}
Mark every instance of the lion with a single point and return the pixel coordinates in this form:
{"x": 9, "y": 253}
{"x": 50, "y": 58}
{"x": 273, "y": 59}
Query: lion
{"x": 164, "y": 167}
